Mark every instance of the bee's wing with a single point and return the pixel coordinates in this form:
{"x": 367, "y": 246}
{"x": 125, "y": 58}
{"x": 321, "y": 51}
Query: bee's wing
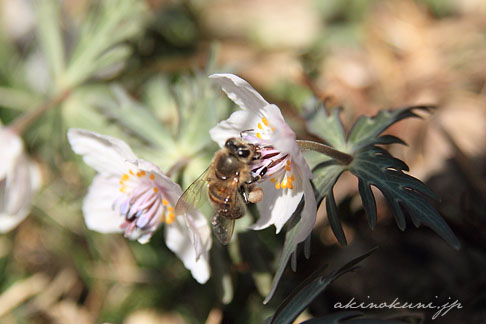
{"x": 195, "y": 195}
{"x": 190, "y": 204}
{"x": 223, "y": 228}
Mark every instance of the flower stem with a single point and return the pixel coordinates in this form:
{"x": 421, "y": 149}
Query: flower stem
{"x": 342, "y": 157}
{"x": 20, "y": 124}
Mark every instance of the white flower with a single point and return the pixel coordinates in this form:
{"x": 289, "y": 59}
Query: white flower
{"x": 133, "y": 196}
{"x": 19, "y": 179}
{"x": 285, "y": 173}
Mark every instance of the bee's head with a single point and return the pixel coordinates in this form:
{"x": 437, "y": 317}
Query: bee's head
{"x": 240, "y": 149}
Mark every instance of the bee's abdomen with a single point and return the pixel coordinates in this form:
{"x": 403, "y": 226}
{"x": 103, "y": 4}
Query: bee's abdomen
{"x": 225, "y": 201}
{"x": 219, "y": 194}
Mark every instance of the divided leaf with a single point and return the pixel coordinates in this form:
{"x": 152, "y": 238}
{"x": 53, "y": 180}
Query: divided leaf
{"x": 374, "y": 166}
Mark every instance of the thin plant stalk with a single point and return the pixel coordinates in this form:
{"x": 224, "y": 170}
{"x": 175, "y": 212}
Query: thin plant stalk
{"x": 341, "y": 157}
{"x": 21, "y": 123}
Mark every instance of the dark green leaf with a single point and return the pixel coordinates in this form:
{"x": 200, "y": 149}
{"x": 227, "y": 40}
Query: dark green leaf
{"x": 374, "y": 166}
{"x": 366, "y": 129}
{"x": 332, "y": 215}
{"x": 369, "y": 202}
{"x": 289, "y": 247}
{"x": 401, "y": 190}
{"x": 305, "y": 293}
{"x": 325, "y": 176}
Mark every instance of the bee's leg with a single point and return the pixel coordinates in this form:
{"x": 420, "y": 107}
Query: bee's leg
{"x": 263, "y": 172}
{"x": 245, "y": 193}
{"x": 257, "y": 177}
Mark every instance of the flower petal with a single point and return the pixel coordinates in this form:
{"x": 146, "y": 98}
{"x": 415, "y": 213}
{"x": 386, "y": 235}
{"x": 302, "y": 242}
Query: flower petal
{"x": 283, "y": 137}
{"x": 238, "y": 121}
{"x": 178, "y": 239}
{"x": 16, "y": 194}
{"x": 97, "y": 206}
{"x": 277, "y": 206}
{"x": 240, "y": 91}
{"x": 10, "y": 221}
{"x": 19, "y": 187}
{"x": 106, "y": 154}
{"x": 10, "y": 150}
{"x": 308, "y": 215}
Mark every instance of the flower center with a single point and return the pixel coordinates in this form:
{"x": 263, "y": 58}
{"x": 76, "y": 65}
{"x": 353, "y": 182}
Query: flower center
{"x": 142, "y": 202}
{"x": 284, "y": 179}
{"x": 272, "y": 163}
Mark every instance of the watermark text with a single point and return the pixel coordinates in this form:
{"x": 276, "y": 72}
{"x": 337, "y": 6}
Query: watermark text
{"x": 442, "y": 309}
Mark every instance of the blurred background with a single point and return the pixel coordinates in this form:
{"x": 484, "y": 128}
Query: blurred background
{"x": 138, "y": 70}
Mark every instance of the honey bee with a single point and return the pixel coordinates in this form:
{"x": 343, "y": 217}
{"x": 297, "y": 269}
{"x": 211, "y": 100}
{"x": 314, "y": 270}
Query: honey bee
{"x": 229, "y": 184}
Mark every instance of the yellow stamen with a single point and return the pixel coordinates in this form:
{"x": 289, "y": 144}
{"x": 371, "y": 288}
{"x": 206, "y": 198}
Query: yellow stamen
{"x": 140, "y": 174}
{"x": 122, "y": 189}
{"x": 265, "y": 121}
{"x": 277, "y": 185}
{"x": 273, "y": 129}
{"x": 290, "y": 186}
{"x": 170, "y": 209}
{"x": 292, "y": 177}
{"x": 272, "y": 180}
{"x": 287, "y": 167}
{"x": 170, "y": 218}
{"x": 156, "y": 189}
{"x": 259, "y": 135}
{"x": 284, "y": 185}
{"x": 260, "y": 126}
{"x": 152, "y": 177}
{"x": 165, "y": 202}
{"x": 288, "y": 162}
{"x": 131, "y": 172}
{"x": 125, "y": 177}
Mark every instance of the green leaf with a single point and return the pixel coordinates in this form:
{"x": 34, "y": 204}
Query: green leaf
{"x": 50, "y": 36}
{"x": 309, "y": 289}
{"x": 102, "y": 33}
{"x": 327, "y": 126}
{"x": 324, "y": 183}
{"x": 366, "y": 129}
{"x": 374, "y": 166}
{"x": 200, "y": 108}
{"x": 18, "y": 99}
{"x": 134, "y": 116}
